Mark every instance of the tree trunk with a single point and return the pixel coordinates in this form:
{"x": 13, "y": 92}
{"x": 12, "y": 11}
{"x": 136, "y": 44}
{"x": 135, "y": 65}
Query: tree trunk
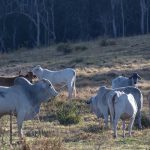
{"x": 113, "y": 18}
{"x": 14, "y": 37}
{"x": 142, "y": 4}
{"x": 122, "y": 15}
{"x": 147, "y": 21}
{"x": 53, "y": 21}
{"x": 37, "y": 24}
{"x": 38, "y": 30}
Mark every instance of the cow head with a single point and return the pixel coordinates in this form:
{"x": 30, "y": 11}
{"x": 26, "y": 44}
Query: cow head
{"x": 30, "y": 75}
{"x": 134, "y": 78}
{"x": 47, "y": 91}
{"x": 37, "y": 71}
{"x": 92, "y": 102}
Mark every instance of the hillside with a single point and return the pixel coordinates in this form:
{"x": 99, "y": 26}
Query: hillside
{"x": 97, "y": 63}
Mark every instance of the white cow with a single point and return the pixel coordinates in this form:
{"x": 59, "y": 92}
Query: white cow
{"x": 24, "y": 99}
{"x": 99, "y": 103}
{"x": 122, "y": 106}
{"x": 122, "y": 81}
{"x": 66, "y": 76}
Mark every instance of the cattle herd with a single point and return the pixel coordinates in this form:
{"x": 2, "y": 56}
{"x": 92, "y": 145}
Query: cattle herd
{"x": 22, "y": 98}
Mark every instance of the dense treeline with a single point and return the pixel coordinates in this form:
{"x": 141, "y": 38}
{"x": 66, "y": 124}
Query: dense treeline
{"x": 30, "y": 23}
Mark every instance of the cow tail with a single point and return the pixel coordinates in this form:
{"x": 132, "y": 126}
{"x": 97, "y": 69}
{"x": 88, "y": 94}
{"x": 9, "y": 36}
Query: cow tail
{"x": 112, "y": 106}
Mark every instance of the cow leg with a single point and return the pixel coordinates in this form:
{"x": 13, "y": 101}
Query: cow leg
{"x": 106, "y": 119}
{"x": 123, "y": 128}
{"x": 115, "y": 124}
{"x": 111, "y": 121}
{"x": 131, "y": 125}
{"x": 20, "y": 132}
{"x": 74, "y": 89}
{"x": 20, "y": 119}
{"x": 138, "y": 119}
{"x": 70, "y": 90}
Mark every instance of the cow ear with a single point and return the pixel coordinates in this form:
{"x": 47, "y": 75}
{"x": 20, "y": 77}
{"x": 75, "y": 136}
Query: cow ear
{"x": 19, "y": 72}
{"x": 123, "y": 75}
{"x": 139, "y": 77}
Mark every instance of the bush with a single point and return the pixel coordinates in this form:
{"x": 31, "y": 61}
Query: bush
{"x": 77, "y": 60}
{"x": 80, "y": 48}
{"x": 144, "y": 121}
{"x": 65, "y": 48}
{"x": 103, "y": 42}
{"x": 68, "y": 113}
{"x": 106, "y": 42}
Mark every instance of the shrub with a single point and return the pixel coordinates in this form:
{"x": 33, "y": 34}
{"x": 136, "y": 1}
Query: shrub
{"x": 68, "y": 113}
{"x": 80, "y": 48}
{"x": 77, "y": 60}
{"x": 112, "y": 42}
{"x": 65, "y": 48}
{"x": 144, "y": 120}
{"x": 106, "y": 42}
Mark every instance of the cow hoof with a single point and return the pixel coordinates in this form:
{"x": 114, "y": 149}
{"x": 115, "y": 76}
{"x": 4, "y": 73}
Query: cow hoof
{"x": 140, "y": 128}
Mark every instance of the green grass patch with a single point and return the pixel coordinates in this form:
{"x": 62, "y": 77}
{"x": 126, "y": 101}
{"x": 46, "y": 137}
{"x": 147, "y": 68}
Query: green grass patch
{"x": 68, "y": 113}
{"x": 127, "y": 140}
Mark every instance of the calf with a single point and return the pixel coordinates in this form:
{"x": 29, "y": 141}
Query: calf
{"x": 66, "y": 76}
{"x": 122, "y": 81}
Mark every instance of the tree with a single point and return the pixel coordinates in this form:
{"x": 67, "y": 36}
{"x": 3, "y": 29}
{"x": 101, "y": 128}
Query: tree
{"x": 113, "y": 4}
{"x": 122, "y": 16}
{"x": 147, "y": 15}
{"x": 143, "y": 12}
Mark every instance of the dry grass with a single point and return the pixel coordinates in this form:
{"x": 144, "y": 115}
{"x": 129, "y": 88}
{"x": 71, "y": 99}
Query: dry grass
{"x": 96, "y": 65}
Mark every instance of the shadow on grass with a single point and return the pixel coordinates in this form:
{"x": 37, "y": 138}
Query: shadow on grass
{"x": 94, "y": 129}
{"x": 40, "y": 133}
{"x": 48, "y": 118}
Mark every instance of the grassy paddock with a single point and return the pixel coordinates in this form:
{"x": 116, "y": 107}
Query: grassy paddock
{"x": 96, "y": 64}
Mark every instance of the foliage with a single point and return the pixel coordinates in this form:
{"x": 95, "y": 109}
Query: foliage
{"x": 68, "y": 113}
{"x": 66, "y": 20}
{"x": 65, "y": 48}
{"x": 77, "y": 60}
{"x": 106, "y": 42}
{"x": 80, "y": 48}
{"x": 145, "y": 120}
